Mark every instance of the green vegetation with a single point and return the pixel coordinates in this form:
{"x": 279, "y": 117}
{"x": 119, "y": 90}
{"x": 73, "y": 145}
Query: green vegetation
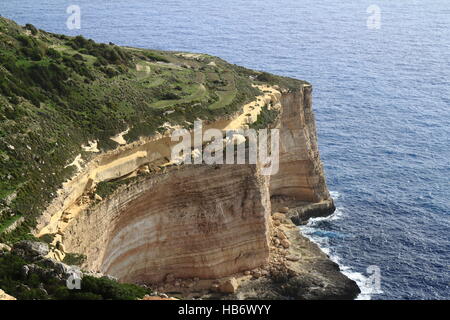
{"x": 74, "y": 259}
{"x": 48, "y": 238}
{"x": 153, "y": 56}
{"x": 8, "y": 221}
{"x": 58, "y": 92}
{"x": 266, "y": 118}
{"x": 44, "y": 286}
{"x": 106, "y": 188}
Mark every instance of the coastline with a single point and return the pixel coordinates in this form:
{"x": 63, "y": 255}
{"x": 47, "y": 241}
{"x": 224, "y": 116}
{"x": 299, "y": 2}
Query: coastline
{"x": 312, "y": 231}
{"x": 308, "y": 273}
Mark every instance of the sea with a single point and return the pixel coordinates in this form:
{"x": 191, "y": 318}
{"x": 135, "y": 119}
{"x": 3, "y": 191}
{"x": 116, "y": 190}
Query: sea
{"x": 380, "y": 70}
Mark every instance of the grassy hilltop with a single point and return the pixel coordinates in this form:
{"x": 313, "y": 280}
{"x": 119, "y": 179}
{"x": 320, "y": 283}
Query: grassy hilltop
{"x": 59, "y": 92}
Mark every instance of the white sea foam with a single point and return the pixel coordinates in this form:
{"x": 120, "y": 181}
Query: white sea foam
{"x": 310, "y": 231}
{"x": 361, "y": 280}
{"x": 339, "y": 213}
{"x": 335, "y": 195}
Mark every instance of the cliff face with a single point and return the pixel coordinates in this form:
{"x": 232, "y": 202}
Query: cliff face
{"x": 198, "y": 221}
{"x": 300, "y": 180}
{"x": 129, "y": 160}
{"x": 300, "y": 175}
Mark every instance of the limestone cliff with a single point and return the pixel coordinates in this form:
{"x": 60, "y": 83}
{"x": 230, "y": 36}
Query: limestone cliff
{"x": 192, "y": 221}
{"x": 198, "y": 221}
{"x": 301, "y": 174}
{"x": 300, "y": 179}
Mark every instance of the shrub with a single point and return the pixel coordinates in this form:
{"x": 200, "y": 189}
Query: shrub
{"x": 52, "y": 53}
{"x": 155, "y": 57}
{"x": 31, "y": 287}
{"x": 74, "y": 259}
{"x": 265, "y": 119}
{"x": 32, "y": 28}
{"x": 112, "y": 290}
{"x": 47, "y": 238}
{"x": 266, "y": 77}
{"x": 78, "y": 57}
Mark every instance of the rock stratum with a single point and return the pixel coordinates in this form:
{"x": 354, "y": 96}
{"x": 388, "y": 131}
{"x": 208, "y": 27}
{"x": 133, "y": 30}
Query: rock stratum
{"x": 198, "y": 230}
{"x": 201, "y": 222}
{"x": 207, "y": 222}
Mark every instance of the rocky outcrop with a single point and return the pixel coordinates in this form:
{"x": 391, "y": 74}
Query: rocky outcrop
{"x": 300, "y": 175}
{"x": 5, "y": 296}
{"x": 31, "y": 250}
{"x": 36, "y": 255}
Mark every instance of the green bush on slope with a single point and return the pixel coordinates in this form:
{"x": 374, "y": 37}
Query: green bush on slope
{"x": 44, "y": 287}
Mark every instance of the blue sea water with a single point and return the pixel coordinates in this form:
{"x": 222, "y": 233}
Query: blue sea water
{"x": 382, "y": 103}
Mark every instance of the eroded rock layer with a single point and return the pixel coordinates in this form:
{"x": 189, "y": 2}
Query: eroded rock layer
{"x": 300, "y": 174}
{"x": 198, "y": 221}
{"x": 193, "y": 221}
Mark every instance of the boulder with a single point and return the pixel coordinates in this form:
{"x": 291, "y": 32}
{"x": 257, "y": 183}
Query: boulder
{"x": 278, "y": 216}
{"x": 229, "y": 286}
{"x": 5, "y": 296}
{"x": 281, "y": 235}
{"x": 59, "y": 255}
{"x": 293, "y": 257}
{"x": 284, "y": 210}
{"x": 31, "y": 250}
{"x": 62, "y": 270}
{"x": 285, "y": 243}
{"x": 4, "y": 247}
